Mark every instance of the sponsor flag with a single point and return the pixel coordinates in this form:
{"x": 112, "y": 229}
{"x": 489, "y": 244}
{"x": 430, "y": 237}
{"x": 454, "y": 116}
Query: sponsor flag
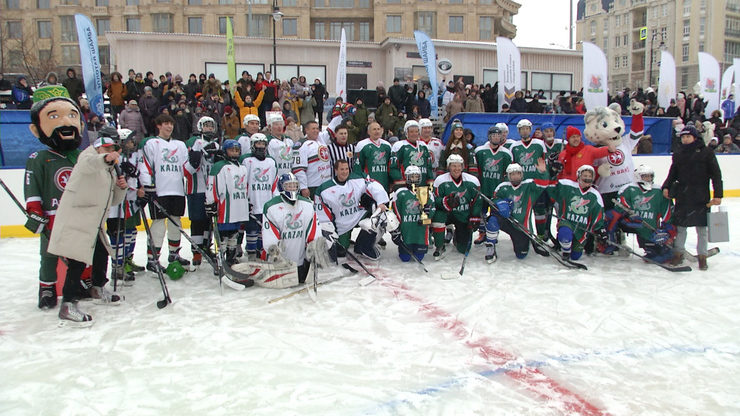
{"x": 709, "y": 81}
{"x": 429, "y": 57}
{"x": 230, "y": 61}
{"x": 594, "y": 76}
{"x": 666, "y": 79}
{"x": 341, "y": 85}
{"x": 509, "y": 70}
{"x": 90, "y": 61}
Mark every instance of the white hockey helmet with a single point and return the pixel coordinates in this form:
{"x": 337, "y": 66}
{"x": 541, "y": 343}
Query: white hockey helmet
{"x": 203, "y": 121}
{"x": 503, "y": 126}
{"x": 641, "y": 172}
{"x": 274, "y": 118}
{"x": 585, "y": 168}
{"x": 524, "y": 123}
{"x": 250, "y": 117}
{"x": 413, "y": 174}
{"x": 425, "y": 122}
{"x": 514, "y": 167}
{"x": 454, "y": 158}
{"x": 410, "y": 124}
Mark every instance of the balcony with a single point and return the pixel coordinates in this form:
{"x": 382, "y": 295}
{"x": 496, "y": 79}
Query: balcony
{"x": 636, "y": 46}
{"x": 732, "y": 33}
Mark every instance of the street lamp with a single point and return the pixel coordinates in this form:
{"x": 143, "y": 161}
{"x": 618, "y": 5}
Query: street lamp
{"x": 276, "y": 16}
{"x": 660, "y": 47}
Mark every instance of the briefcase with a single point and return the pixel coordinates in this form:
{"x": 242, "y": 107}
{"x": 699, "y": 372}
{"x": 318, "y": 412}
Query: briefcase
{"x": 719, "y": 225}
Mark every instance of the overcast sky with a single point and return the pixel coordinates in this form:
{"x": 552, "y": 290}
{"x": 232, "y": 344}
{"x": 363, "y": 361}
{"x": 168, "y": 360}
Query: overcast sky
{"x": 541, "y": 22}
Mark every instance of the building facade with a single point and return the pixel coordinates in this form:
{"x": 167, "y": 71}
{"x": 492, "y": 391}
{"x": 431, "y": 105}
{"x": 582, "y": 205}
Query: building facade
{"x": 40, "y": 35}
{"x": 682, "y": 27}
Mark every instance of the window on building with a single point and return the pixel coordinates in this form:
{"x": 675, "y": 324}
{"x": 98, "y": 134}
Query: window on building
{"x": 289, "y": 3}
{"x": 702, "y": 25}
{"x": 162, "y": 23}
{"x": 363, "y": 4}
{"x": 485, "y": 1}
{"x": 703, "y": 5}
{"x": 455, "y": 1}
{"x": 70, "y": 2}
{"x": 732, "y": 50}
{"x": 69, "y": 30}
{"x": 617, "y": 41}
{"x": 617, "y": 20}
{"x": 335, "y": 30}
{"x": 342, "y": 3}
{"x": 132, "y": 2}
{"x": 163, "y": 1}
{"x": 686, "y": 27}
{"x": 625, "y": 40}
{"x": 616, "y": 62}
{"x": 15, "y": 58}
{"x": 44, "y": 29}
{"x": 104, "y": 53}
{"x": 701, "y": 46}
{"x": 70, "y": 55}
{"x": 593, "y": 27}
{"x": 485, "y": 28}
{"x": 44, "y": 55}
{"x": 101, "y": 3}
{"x": 393, "y": 24}
{"x": 364, "y": 32}
{"x": 195, "y": 2}
{"x": 290, "y": 27}
{"x": 552, "y": 84}
{"x": 456, "y": 24}
{"x": 664, "y": 33}
{"x": 222, "y": 25}
{"x": 318, "y": 3}
{"x": 260, "y": 26}
{"x": 102, "y": 26}
{"x": 12, "y": 4}
{"x": 42, "y": 4}
{"x": 133, "y": 24}
{"x": 686, "y": 7}
{"x": 225, "y": 1}
{"x": 685, "y": 52}
{"x": 394, "y": 1}
{"x": 427, "y": 23}
{"x": 664, "y": 10}
{"x": 624, "y": 61}
{"x": 14, "y": 29}
{"x": 319, "y": 30}
{"x": 684, "y": 77}
{"x": 195, "y": 25}
{"x": 605, "y": 43}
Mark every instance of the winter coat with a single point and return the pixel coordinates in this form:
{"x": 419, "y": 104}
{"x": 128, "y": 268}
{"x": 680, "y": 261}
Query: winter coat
{"x": 22, "y": 96}
{"x": 83, "y": 210}
{"x": 386, "y": 115}
{"x": 244, "y": 110}
{"x": 131, "y": 119}
{"x": 231, "y": 125}
{"x": 397, "y": 94}
{"x": 75, "y": 88}
{"x": 190, "y": 89}
{"x": 573, "y": 158}
{"x": 182, "y": 128}
{"x": 518, "y": 105}
{"x": 425, "y": 107}
{"x": 535, "y": 107}
{"x": 474, "y": 105}
{"x": 673, "y": 111}
{"x": 359, "y": 119}
{"x": 692, "y": 167}
{"x": 453, "y": 107}
{"x": 306, "y": 113}
{"x": 134, "y": 90}
{"x": 117, "y": 93}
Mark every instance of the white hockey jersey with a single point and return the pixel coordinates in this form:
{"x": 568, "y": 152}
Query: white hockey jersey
{"x": 261, "y": 180}
{"x": 245, "y": 142}
{"x": 622, "y": 166}
{"x": 129, "y": 208}
{"x": 313, "y": 165}
{"x": 340, "y": 204}
{"x": 163, "y": 165}
{"x": 293, "y": 224}
{"x": 227, "y": 186}
{"x": 195, "y": 183}
{"x": 281, "y": 150}
{"x": 435, "y": 147}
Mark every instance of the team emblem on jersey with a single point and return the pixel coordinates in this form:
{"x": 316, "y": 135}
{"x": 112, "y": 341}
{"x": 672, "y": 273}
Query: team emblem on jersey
{"x": 616, "y": 158}
{"x": 323, "y": 153}
{"x": 642, "y": 203}
{"x": 294, "y": 222}
{"x": 261, "y": 175}
{"x": 286, "y": 153}
{"x": 412, "y": 206}
{"x": 33, "y": 155}
{"x": 527, "y": 158}
{"x": 578, "y": 205}
{"x": 380, "y": 157}
{"x": 491, "y": 164}
{"x": 240, "y": 182}
{"x": 61, "y": 177}
{"x": 169, "y": 156}
{"x": 348, "y": 200}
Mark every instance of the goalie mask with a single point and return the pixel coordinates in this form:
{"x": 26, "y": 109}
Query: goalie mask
{"x": 288, "y": 187}
{"x": 413, "y": 175}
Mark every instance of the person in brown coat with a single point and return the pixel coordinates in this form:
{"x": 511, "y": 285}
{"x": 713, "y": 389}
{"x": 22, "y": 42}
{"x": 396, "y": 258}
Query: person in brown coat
{"x": 116, "y": 93}
{"x": 230, "y": 123}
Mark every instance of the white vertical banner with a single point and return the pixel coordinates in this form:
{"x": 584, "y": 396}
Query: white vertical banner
{"x": 709, "y": 82}
{"x": 666, "y": 79}
{"x": 736, "y": 64}
{"x": 727, "y": 83}
{"x": 594, "y": 77}
{"x": 341, "y": 86}
{"x": 509, "y": 70}
{"x": 429, "y": 57}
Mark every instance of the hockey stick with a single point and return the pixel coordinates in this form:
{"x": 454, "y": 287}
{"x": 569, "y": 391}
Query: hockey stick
{"x": 366, "y": 281}
{"x": 304, "y": 288}
{"x": 408, "y": 250}
{"x": 565, "y": 262}
{"x": 119, "y": 270}
{"x": 162, "y": 303}
{"x": 12, "y": 196}
{"x": 219, "y": 270}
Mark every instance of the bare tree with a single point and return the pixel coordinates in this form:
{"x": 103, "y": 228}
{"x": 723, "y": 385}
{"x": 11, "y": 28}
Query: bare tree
{"x": 34, "y": 65}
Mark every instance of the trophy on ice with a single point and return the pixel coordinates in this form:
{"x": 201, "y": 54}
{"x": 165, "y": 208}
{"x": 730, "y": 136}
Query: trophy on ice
{"x": 422, "y": 194}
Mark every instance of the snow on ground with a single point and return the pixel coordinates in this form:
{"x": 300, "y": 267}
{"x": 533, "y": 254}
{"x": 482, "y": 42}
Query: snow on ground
{"x": 512, "y": 338}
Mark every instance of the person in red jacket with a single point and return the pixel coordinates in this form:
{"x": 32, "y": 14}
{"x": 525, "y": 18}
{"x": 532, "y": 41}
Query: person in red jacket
{"x": 576, "y": 154}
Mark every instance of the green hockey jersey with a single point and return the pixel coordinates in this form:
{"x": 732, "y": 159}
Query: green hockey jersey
{"x": 466, "y": 188}
{"x": 373, "y": 159}
{"x": 404, "y": 154}
{"x": 528, "y": 155}
{"x": 47, "y": 173}
{"x": 408, "y": 210}
{"x": 491, "y": 167}
{"x": 577, "y": 209}
{"x": 650, "y": 205}
{"x": 522, "y": 197}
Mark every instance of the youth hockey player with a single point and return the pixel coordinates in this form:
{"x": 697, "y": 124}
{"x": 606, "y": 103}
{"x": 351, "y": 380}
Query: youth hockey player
{"x": 527, "y": 151}
{"x": 280, "y": 146}
{"x": 458, "y": 204}
{"x": 205, "y": 141}
{"x": 543, "y": 206}
{"x": 226, "y": 197}
{"x": 642, "y": 209}
{"x": 514, "y": 199}
{"x": 410, "y": 152}
{"x": 408, "y": 210}
{"x": 162, "y": 172}
{"x": 346, "y": 199}
{"x": 492, "y": 159}
{"x": 434, "y": 145}
{"x": 262, "y": 182}
{"x": 372, "y": 156}
{"x": 251, "y": 125}
{"x": 580, "y": 208}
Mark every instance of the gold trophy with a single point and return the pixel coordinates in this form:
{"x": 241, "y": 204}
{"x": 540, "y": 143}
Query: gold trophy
{"x": 422, "y": 194}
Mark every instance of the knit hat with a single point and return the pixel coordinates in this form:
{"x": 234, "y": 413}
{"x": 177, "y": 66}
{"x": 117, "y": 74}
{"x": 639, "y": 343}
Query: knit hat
{"x": 572, "y": 131}
{"x": 690, "y": 130}
{"x": 227, "y": 109}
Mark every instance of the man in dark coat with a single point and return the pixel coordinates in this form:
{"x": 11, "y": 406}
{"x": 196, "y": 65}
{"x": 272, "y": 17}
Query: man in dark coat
{"x": 73, "y": 85}
{"x": 692, "y": 167}
{"x": 397, "y": 94}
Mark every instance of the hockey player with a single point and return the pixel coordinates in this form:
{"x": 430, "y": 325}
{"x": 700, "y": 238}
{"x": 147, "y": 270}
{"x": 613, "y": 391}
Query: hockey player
{"x": 205, "y": 141}
{"x": 313, "y": 164}
{"x": 226, "y": 197}
{"x": 372, "y": 156}
{"x": 408, "y": 210}
{"x": 505, "y": 135}
{"x": 514, "y": 200}
{"x": 642, "y": 209}
{"x": 56, "y": 121}
{"x": 251, "y": 125}
{"x": 580, "y": 208}
{"x": 528, "y": 151}
{"x": 161, "y": 173}
{"x": 543, "y": 206}
{"x": 342, "y": 202}
{"x": 262, "y": 182}
{"x": 280, "y": 146}
{"x": 434, "y": 145}
{"x": 410, "y": 152}
{"x": 457, "y": 203}
{"x": 492, "y": 159}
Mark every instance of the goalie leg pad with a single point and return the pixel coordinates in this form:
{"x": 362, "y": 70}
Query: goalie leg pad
{"x": 270, "y": 275}
{"x": 317, "y": 251}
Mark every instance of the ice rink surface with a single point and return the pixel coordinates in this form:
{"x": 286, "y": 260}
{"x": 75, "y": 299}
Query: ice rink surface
{"x": 512, "y": 338}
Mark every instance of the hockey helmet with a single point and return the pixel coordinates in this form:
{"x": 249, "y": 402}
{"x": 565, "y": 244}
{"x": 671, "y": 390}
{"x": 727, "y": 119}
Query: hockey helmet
{"x": 207, "y": 127}
{"x": 645, "y": 175}
{"x": 410, "y": 124}
{"x": 515, "y": 168}
{"x": 494, "y": 130}
{"x": 547, "y": 125}
{"x": 586, "y": 168}
{"x": 250, "y": 117}
{"x": 413, "y": 175}
{"x": 523, "y": 123}
{"x": 425, "y": 122}
{"x": 455, "y": 158}
{"x": 231, "y": 144}
{"x": 288, "y": 186}
{"x": 258, "y": 152}
{"x": 503, "y": 126}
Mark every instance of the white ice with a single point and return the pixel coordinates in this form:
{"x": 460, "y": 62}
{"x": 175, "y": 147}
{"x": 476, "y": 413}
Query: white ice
{"x": 512, "y": 338}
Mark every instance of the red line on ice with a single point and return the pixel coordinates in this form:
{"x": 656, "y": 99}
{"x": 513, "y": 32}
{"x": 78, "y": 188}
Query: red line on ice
{"x": 532, "y": 379}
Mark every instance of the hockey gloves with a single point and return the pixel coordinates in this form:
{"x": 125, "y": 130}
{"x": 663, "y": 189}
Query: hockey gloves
{"x": 660, "y": 237}
{"x": 150, "y": 194}
{"x": 212, "y": 209}
{"x": 451, "y": 201}
{"x": 396, "y": 237}
{"x": 504, "y": 207}
{"x": 602, "y": 236}
{"x": 129, "y": 169}
{"x": 211, "y": 148}
{"x": 474, "y": 223}
{"x": 195, "y": 157}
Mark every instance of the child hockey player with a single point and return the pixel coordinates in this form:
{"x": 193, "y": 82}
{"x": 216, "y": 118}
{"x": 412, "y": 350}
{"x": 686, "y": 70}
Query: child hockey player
{"x": 408, "y": 209}
{"x": 492, "y": 159}
{"x": 262, "y": 182}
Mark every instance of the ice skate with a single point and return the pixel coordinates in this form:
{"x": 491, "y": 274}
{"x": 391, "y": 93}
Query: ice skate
{"x": 175, "y": 257}
{"x": 47, "y": 296}
{"x": 130, "y": 266}
{"x": 70, "y": 315}
{"x": 491, "y": 255}
{"x": 102, "y": 296}
{"x": 439, "y": 253}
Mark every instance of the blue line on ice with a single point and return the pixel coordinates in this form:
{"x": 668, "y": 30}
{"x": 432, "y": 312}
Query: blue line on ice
{"x": 413, "y": 398}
